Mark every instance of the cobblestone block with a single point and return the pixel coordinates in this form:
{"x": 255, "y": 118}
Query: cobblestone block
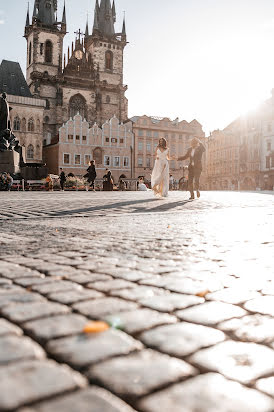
{"x": 240, "y": 361}
{"x": 192, "y": 287}
{"x": 140, "y": 373}
{"x": 181, "y": 339}
{"x": 141, "y": 319}
{"x": 84, "y": 279}
{"x": 254, "y": 328}
{"x": 73, "y": 296}
{"x": 30, "y": 311}
{"x": 266, "y": 385}
{"x": 19, "y": 298}
{"x": 5, "y": 281}
{"x": 39, "y": 280}
{"x": 7, "y": 288}
{"x": 7, "y": 328}
{"x": 21, "y": 273}
{"x": 139, "y": 293}
{"x": 30, "y": 381}
{"x": 171, "y": 302}
{"x": 56, "y": 326}
{"x": 207, "y": 393}
{"x": 210, "y": 313}
{"x": 100, "y": 308}
{"x": 16, "y": 348}
{"x": 107, "y": 286}
{"x": 56, "y": 286}
{"x": 129, "y": 275}
{"x": 263, "y": 305}
{"x": 83, "y": 350}
{"x": 92, "y": 399}
{"x": 233, "y": 295}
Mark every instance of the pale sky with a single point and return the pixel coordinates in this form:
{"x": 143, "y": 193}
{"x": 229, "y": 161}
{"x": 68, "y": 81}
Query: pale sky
{"x": 212, "y": 60}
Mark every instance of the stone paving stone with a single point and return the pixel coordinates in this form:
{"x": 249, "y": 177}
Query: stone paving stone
{"x": 83, "y": 350}
{"x": 26, "y": 297}
{"x": 44, "y": 267}
{"x": 16, "y": 348}
{"x": 99, "y": 308}
{"x": 92, "y": 266}
{"x": 207, "y": 393}
{"x": 210, "y": 313}
{"x": 88, "y": 278}
{"x": 6, "y": 288}
{"x": 7, "y": 328}
{"x": 91, "y": 399}
{"x": 5, "y": 281}
{"x": 266, "y": 385}
{"x": 107, "y": 286}
{"x": 56, "y": 326}
{"x": 56, "y": 286}
{"x": 192, "y": 287}
{"x": 181, "y": 339}
{"x": 21, "y": 273}
{"x": 170, "y": 302}
{"x": 263, "y": 305}
{"x": 31, "y": 381}
{"x": 253, "y": 328}
{"x": 240, "y": 361}
{"x": 73, "y": 296}
{"x": 140, "y": 373}
{"x": 39, "y": 280}
{"x": 139, "y": 293}
{"x": 141, "y": 319}
{"x": 233, "y": 295}
{"x": 30, "y": 311}
{"x": 131, "y": 275}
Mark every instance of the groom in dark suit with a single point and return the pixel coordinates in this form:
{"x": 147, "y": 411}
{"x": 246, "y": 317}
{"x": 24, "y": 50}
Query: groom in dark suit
{"x": 194, "y": 154}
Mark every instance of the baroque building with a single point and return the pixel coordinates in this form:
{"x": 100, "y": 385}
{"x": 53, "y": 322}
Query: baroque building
{"x": 88, "y": 79}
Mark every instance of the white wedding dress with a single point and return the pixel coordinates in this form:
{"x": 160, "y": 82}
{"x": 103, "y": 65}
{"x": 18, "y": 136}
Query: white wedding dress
{"x": 160, "y": 174}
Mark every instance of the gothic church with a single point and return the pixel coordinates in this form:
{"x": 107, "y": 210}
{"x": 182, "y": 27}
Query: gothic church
{"x": 88, "y": 79}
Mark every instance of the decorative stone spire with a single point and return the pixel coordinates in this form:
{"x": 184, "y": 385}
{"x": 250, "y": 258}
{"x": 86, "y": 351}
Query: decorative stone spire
{"x": 27, "y": 19}
{"x": 34, "y": 10}
{"x": 64, "y": 18}
{"x": 104, "y": 18}
{"x": 124, "y": 32}
{"x": 87, "y": 30}
{"x": 96, "y": 17}
{"x": 45, "y": 11}
{"x": 114, "y": 11}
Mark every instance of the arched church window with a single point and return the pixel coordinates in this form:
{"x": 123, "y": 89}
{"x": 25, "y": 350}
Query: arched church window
{"x": 24, "y": 123}
{"x": 77, "y": 105}
{"x": 47, "y": 104}
{"x": 98, "y": 156}
{"x": 16, "y": 124}
{"x": 109, "y": 60}
{"x": 30, "y": 151}
{"x": 48, "y": 52}
{"x": 31, "y": 125}
{"x": 30, "y": 52}
{"x": 38, "y": 127}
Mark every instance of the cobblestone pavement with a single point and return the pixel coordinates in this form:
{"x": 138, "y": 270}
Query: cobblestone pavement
{"x": 188, "y": 286}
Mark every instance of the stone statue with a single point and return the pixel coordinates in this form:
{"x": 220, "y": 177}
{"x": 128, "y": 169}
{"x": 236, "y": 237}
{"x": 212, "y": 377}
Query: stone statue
{"x": 4, "y": 113}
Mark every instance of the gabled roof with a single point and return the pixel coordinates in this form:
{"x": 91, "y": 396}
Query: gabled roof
{"x": 12, "y": 80}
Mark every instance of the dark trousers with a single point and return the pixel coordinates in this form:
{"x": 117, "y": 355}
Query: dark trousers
{"x": 62, "y": 184}
{"x": 194, "y": 175}
{"x": 92, "y": 184}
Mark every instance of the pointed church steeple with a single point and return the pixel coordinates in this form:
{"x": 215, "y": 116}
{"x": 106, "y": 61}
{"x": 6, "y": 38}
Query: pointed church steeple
{"x": 34, "y": 15}
{"x": 124, "y": 32}
{"x": 104, "y": 18}
{"x": 87, "y": 30}
{"x": 45, "y": 11}
{"x": 96, "y": 17}
{"x": 64, "y": 18}
{"x": 114, "y": 11}
{"x": 27, "y": 19}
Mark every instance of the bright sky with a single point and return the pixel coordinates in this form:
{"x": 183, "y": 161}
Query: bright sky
{"x": 206, "y": 59}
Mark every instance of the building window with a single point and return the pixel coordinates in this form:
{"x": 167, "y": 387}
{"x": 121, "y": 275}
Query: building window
{"x": 109, "y": 60}
{"x": 106, "y": 160}
{"x": 107, "y": 139}
{"x": 77, "y": 159}
{"x": 140, "y": 161}
{"x": 122, "y": 141}
{"x": 30, "y": 52}
{"x": 87, "y": 159}
{"x": 30, "y": 151}
{"x": 38, "y": 126}
{"x": 108, "y": 99}
{"x": 70, "y": 137}
{"x": 48, "y": 53}
{"x": 84, "y": 139}
{"x": 126, "y": 161}
{"x": 77, "y": 105}
{"x": 148, "y": 147}
{"x": 66, "y": 158}
{"x": 116, "y": 161}
{"x": 140, "y": 146}
{"x": 16, "y": 124}
{"x": 41, "y": 48}
{"x": 268, "y": 146}
{"x": 156, "y": 134}
{"x": 98, "y": 155}
{"x": 24, "y": 123}
{"x": 148, "y": 162}
{"x": 172, "y": 164}
{"x": 77, "y": 139}
{"x": 267, "y": 162}
{"x": 113, "y": 140}
{"x": 31, "y": 125}
{"x": 140, "y": 132}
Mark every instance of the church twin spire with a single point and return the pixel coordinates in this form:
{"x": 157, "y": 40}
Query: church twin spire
{"x": 45, "y": 12}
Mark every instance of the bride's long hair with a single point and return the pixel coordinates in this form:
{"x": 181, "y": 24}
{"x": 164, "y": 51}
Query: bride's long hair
{"x": 162, "y": 143}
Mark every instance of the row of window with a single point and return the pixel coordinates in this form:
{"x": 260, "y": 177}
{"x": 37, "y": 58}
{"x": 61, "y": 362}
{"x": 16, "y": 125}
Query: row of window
{"x": 269, "y": 161}
{"x": 149, "y": 147}
{"x": 116, "y": 160}
{"x": 151, "y": 133}
{"x": 149, "y": 162}
{"x": 78, "y": 140}
{"x": 23, "y": 125}
{"x": 48, "y": 47}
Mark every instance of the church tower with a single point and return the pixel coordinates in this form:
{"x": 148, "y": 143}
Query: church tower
{"x": 44, "y": 35}
{"x": 107, "y": 49}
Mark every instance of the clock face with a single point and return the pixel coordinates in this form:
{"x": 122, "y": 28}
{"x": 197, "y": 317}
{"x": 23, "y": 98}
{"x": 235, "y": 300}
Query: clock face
{"x": 78, "y": 54}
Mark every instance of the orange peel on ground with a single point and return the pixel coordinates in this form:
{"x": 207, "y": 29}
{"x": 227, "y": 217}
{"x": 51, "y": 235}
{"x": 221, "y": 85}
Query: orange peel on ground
{"x": 203, "y": 293}
{"x": 96, "y": 327}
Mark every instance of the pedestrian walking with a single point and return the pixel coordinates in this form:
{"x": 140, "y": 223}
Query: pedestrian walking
{"x": 108, "y": 181}
{"x": 91, "y": 174}
{"x": 62, "y": 178}
{"x": 194, "y": 154}
{"x": 160, "y": 173}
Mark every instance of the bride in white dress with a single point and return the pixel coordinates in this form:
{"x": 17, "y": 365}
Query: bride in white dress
{"x": 160, "y": 173}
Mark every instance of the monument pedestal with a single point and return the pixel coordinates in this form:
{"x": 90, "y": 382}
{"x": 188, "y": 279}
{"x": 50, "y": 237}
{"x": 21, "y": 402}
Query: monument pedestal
{"x": 9, "y": 162}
